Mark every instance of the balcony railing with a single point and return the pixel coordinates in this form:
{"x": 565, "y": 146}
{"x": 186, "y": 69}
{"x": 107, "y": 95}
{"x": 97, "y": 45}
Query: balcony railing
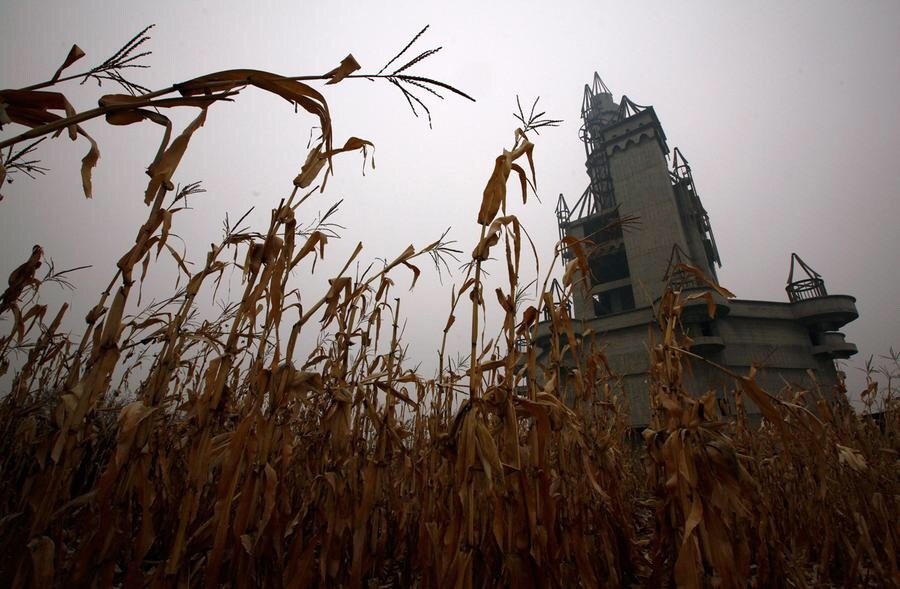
{"x": 808, "y": 288}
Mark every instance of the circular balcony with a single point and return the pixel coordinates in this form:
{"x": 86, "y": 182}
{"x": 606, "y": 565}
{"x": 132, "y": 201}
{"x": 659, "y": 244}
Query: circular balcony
{"x": 833, "y": 345}
{"x": 827, "y": 313}
{"x": 808, "y": 288}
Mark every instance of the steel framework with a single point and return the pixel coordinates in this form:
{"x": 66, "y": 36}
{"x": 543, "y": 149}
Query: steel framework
{"x": 802, "y": 289}
{"x": 558, "y": 295}
{"x": 681, "y": 174}
{"x": 562, "y": 220}
{"x": 675, "y": 276}
{"x": 598, "y": 113}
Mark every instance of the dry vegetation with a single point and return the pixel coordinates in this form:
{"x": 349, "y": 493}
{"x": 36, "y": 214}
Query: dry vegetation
{"x": 166, "y": 448}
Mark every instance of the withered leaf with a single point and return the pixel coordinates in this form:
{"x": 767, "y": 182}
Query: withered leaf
{"x": 75, "y": 53}
{"x": 161, "y": 170}
{"x": 129, "y": 418}
{"x": 316, "y": 238}
{"x": 43, "y": 556}
{"x": 348, "y": 66}
{"x": 124, "y": 117}
{"x": 315, "y": 161}
{"x": 416, "y": 272}
{"x": 494, "y": 195}
{"x": 88, "y": 162}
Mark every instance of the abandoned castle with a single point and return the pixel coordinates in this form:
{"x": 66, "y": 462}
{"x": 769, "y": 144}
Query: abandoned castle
{"x": 632, "y": 175}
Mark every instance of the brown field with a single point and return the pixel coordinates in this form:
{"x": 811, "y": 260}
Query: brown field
{"x": 163, "y": 449}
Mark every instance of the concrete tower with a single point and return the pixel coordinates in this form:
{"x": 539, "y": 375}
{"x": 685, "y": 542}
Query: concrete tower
{"x": 639, "y": 216}
{"x": 625, "y": 148}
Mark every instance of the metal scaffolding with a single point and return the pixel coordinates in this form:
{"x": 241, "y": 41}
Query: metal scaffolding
{"x": 681, "y": 175}
{"x": 558, "y": 296}
{"x": 599, "y": 112}
{"x": 562, "y": 220}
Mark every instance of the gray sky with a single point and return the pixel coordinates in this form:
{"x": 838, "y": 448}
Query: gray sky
{"x": 786, "y": 111}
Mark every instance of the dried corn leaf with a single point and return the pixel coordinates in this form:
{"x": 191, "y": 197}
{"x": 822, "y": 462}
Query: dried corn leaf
{"x": 851, "y": 457}
{"x": 494, "y": 195}
{"x": 701, "y": 277}
{"x": 42, "y": 557}
{"x": 315, "y": 161}
{"x": 161, "y": 170}
{"x": 75, "y": 53}
{"x": 415, "y": 270}
{"x": 321, "y": 155}
{"x": 125, "y": 117}
{"x": 488, "y": 454}
{"x": 348, "y": 66}
{"x": 88, "y": 162}
{"x": 316, "y": 238}
{"x": 130, "y": 417}
{"x": 528, "y": 318}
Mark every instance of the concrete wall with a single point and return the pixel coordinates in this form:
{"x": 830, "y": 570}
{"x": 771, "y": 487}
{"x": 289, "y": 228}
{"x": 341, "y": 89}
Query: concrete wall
{"x": 766, "y": 335}
{"x": 643, "y": 189}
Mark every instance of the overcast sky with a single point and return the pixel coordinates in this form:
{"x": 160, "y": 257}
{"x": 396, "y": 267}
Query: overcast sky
{"x": 787, "y": 112}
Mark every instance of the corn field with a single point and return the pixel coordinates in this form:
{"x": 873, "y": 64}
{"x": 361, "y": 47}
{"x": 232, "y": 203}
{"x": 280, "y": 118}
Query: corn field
{"x": 164, "y": 447}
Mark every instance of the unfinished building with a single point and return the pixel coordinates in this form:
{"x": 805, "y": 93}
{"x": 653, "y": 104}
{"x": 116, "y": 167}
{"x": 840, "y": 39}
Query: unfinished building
{"x": 633, "y": 175}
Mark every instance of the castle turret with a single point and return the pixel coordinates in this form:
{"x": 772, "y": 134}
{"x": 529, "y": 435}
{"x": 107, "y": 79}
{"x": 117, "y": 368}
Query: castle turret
{"x": 822, "y": 314}
{"x": 630, "y": 180}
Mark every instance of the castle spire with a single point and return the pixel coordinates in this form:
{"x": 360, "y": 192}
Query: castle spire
{"x": 591, "y": 91}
